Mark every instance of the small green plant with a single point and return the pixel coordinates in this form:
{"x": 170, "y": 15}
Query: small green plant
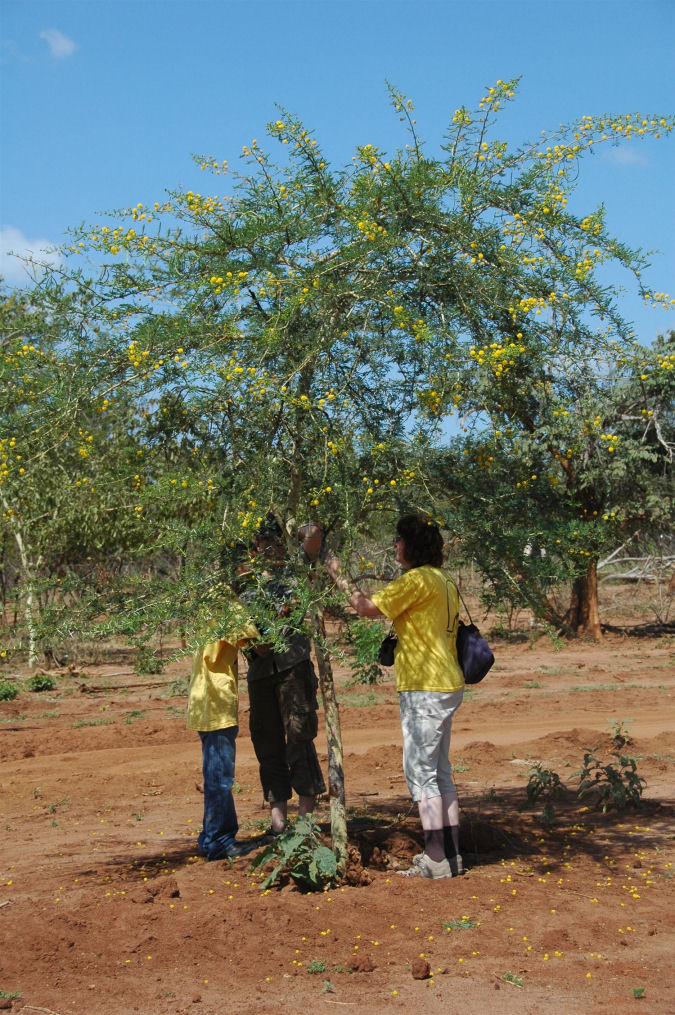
{"x": 41, "y": 682}
{"x": 15, "y": 994}
{"x": 544, "y": 784}
{"x": 517, "y": 981}
{"x": 135, "y": 714}
{"x": 366, "y": 700}
{"x": 460, "y": 765}
{"x": 91, "y": 722}
{"x": 147, "y": 662}
{"x": 613, "y": 785}
{"x": 328, "y": 987}
{"x": 620, "y": 736}
{"x": 299, "y": 853}
{"x": 172, "y": 710}
{"x": 464, "y": 924}
{"x": 317, "y": 966}
{"x": 8, "y": 691}
{"x": 532, "y": 684}
{"x": 177, "y": 689}
{"x": 638, "y": 992}
{"x": 52, "y": 808}
{"x": 365, "y": 637}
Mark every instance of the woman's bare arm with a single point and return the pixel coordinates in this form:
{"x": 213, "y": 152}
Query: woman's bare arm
{"x": 359, "y": 602}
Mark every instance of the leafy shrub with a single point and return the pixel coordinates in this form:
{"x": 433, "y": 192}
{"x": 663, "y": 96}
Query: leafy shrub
{"x": 41, "y": 682}
{"x": 299, "y": 853}
{"x": 612, "y": 785}
{"x": 544, "y": 784}
{"x": 317, "y": 966}
{"x": 365, "y": 638}
{"x": 148, "y": 662}
{"x": 8, "y": 691}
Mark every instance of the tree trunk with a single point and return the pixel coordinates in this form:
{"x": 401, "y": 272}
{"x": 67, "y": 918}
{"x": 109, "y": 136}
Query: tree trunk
{"x": 583, "y": 615}
{"x": 29, "y": 570}
{"x": 336, "y": 781}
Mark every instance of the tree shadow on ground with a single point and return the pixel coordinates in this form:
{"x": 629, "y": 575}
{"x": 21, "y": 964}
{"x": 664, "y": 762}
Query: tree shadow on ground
{"x": 497, "y": 829}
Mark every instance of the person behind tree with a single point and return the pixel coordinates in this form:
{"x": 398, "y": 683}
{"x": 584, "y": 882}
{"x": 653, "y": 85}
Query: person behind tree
{"x": 423, "y": 605}
{"x": 282, "y": 686}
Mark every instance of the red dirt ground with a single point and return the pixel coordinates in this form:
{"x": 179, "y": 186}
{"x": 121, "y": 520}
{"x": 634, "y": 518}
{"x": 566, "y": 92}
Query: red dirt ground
{"x": 105, "y": 908}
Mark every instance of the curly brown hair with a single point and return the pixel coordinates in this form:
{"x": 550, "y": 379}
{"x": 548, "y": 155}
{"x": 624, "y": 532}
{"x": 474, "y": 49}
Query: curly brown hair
{"x": 422, "y": 540}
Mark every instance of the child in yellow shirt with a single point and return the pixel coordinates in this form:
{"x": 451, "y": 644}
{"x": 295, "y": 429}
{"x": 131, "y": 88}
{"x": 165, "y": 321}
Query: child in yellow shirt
{"x": 213, "y": 705}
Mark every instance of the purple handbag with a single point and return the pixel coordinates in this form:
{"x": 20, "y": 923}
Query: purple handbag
{"x": 473, "y": 653}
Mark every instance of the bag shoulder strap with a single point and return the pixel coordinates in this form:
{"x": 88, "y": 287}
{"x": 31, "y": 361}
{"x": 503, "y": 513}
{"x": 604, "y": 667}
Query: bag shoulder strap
{"x": 461, "y": 597}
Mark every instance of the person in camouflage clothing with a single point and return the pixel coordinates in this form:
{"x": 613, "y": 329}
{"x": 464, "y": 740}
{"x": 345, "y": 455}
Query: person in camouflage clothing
{"x": 282, "y": 687}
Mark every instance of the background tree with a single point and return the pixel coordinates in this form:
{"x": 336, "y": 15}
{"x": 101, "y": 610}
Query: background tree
{"x": 67, "y": 459}
{"x": 588, "y": 467}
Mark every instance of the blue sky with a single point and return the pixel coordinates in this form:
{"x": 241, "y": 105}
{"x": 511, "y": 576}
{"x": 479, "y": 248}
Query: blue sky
{"x": 104, "y": 100}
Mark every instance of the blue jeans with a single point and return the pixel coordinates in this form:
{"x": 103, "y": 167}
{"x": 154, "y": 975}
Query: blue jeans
{"x": 220, "y": 817}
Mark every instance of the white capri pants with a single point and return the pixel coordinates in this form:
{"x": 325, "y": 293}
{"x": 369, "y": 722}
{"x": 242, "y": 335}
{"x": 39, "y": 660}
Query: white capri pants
{"x": 426, "y": 722}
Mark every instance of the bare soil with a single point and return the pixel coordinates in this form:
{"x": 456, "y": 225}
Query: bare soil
{"x": 106, "y": 908}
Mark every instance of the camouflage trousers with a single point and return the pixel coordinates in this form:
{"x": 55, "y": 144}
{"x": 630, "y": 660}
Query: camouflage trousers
{"x": 283, "y": 724}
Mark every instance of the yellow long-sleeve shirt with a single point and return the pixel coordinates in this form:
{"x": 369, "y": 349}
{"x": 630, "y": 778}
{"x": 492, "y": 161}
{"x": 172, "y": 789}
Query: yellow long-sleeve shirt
{"x": 213, "y": 696}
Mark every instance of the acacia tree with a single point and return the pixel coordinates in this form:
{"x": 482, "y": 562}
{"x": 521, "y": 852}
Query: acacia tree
{"x": 296, "y": 344}
{"x": 370, "y": 302}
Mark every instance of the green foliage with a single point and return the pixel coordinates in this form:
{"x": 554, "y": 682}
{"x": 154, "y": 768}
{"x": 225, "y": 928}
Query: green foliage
{"x": 41, "y": 682}
{"x": 8, "y": 691}
{"x": 638, "y": 992}
{"x": 464, "y": 924}
{"x": 365, "y": 637}
{"x": 611, "y": 785}
{"x": 147, "y": 662}
{"x": 620, "y": 736}
{"x": 298, "y": 343}
{"x": 299, "y": 853}
{"x": 316, "y": 966}
{"x": 568, "y": 464}
{"x": 134, "y": 714}
{"x": 544, "y": 784}
{"x": 517, "y": 981}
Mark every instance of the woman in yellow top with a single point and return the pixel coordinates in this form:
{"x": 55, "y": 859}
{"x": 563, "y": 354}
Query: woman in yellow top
{"x": 423, "y": 605}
